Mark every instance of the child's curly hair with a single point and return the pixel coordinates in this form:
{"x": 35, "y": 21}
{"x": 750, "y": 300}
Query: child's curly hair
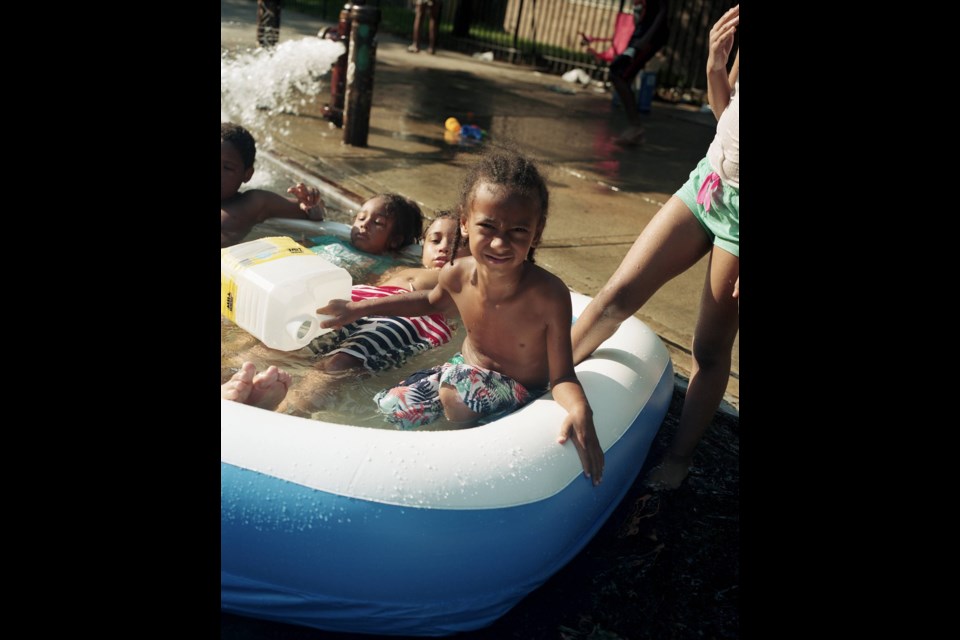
{"x": 509, "y": 169}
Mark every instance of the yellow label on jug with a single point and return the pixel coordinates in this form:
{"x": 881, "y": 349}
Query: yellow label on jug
{"x": 246, "y": 255}
{"x": 276, "y": 300}
{"x": 228, "y": 298}
{"x": 259, "y": 251}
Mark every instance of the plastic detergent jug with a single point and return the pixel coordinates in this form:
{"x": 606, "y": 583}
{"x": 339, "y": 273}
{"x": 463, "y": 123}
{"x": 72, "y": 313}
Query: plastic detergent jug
{"x": 272, "y": 287}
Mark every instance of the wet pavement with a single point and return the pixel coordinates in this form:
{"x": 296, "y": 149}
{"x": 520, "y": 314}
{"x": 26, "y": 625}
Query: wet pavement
{"x": 602, "y": 195}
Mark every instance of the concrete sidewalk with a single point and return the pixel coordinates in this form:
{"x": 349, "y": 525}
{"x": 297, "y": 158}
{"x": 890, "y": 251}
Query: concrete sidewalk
{"x": 602, "y": 195}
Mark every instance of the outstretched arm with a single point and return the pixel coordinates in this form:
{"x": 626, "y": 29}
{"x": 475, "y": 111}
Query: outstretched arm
{"x": 412, "y": 304}
{"x": 719, "y": 83}
{"x": 268, "y": 204}
{"x": 343, "y": 312}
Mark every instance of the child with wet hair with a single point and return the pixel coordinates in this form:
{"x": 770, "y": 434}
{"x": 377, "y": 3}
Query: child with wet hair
{"x": 240, "y": 211}
{"x": 385, "y": 225}
{"x": 516, "y": 314}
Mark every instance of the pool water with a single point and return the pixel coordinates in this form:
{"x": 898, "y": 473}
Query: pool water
{"x": 352, "y": 403}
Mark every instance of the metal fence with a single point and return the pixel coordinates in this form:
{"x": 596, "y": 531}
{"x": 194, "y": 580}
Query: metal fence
{"x": 545, "y": 33}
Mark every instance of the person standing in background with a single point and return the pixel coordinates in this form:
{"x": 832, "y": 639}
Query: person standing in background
{"x": 422, "y": 7}
{"x": 650, "y": 33}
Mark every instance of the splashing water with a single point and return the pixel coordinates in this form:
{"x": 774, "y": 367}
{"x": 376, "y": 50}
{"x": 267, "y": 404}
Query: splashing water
{"x": 258, "y": 84}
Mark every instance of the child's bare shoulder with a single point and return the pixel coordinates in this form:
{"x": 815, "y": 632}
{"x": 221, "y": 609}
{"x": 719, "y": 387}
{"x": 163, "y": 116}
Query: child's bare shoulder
{"x": 238, "y": 211}
{"x": 262, "y": 202}
{"x": 548, "y": 292}
{"x": 546, "y": 282}
{"x": 452, "y": 276}
{"x": 244, "y": 205}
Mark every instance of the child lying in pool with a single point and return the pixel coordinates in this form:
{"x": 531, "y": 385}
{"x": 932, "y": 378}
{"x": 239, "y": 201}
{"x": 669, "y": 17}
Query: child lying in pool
{"x": 376, "y": 343}
{"x": 240, "y": 211}
{"x": 386, "y": 224}
{"x": 517, "y": 316}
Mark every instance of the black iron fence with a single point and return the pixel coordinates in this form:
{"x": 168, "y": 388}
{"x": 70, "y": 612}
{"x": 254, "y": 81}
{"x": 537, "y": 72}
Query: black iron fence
{"x": 545, "y": 33}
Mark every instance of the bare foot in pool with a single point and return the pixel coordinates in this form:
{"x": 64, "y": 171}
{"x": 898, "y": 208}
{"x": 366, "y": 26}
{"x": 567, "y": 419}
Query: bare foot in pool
{"x": 269, "y": 388}
{"x": 238, "y": 387}
{"x": 264, "y": 390}
{"x": 670, "y": 473}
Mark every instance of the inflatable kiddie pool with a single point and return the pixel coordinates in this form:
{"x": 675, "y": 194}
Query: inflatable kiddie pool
{"x": 364, "y": 530}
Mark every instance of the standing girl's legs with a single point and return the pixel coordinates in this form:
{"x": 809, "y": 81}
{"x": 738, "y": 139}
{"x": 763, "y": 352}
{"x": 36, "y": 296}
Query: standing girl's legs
{"x": 669, "y": 245}
{"x": 717, "y": 327}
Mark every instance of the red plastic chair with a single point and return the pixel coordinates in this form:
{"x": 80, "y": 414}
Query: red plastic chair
{"x": 621, "y": 37}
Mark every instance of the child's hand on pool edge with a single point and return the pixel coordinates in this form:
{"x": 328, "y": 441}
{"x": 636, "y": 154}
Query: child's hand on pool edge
{"x": 584, "y": 435}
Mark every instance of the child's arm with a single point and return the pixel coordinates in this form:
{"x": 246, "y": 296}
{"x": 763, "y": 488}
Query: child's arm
{"x": 579, "y": 422}
{"x": 719, "y": 82}
{"x": 567, "y": 390}
{"x": 415, "y": 303}
{"x": 308, "y": 204}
